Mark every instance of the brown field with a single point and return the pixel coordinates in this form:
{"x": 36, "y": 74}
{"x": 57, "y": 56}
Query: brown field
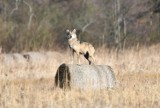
{"x": 31, "y": 84}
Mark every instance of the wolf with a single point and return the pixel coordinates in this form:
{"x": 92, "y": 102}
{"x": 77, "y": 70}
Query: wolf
{"x": 83, "y": 48}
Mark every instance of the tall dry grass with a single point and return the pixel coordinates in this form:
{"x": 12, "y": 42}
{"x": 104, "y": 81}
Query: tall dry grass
{"x": 31, "y": 84}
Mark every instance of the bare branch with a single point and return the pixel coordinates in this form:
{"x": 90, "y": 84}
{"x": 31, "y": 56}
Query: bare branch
{"x": 16, "y": 7}
{"x": 30, "y": 13}
{"x": 88, "y": 24}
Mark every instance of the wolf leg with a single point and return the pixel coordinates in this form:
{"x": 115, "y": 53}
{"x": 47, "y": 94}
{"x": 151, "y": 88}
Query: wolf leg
{"x": 93, "y": 59}
{"x": 79, "y": 61}
{"x": 72, "y": 56}
{"x": 87, "y": 57}
{"x": 78, "y": 56}
{"x": 90, "y": 61}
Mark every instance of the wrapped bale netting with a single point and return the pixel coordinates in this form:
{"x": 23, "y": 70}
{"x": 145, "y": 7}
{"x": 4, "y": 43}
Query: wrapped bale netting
{"x": 85, "y": 76}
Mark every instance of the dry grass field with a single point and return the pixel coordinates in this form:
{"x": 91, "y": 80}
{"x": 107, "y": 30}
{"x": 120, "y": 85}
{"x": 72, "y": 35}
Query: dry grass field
{"x": 31, "y": 84}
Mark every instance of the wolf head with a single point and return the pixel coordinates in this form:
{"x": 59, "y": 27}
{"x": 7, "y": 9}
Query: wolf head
{"x": 71, "y": 34}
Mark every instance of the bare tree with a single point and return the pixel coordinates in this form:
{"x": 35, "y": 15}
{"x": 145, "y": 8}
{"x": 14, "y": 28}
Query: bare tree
{"x": 118, "y": 19}
{"x": 16, "y": 7}
{"x": 121, "y": 9}
{"x": 30, "y": 13}
{"x": 30, "y": 10}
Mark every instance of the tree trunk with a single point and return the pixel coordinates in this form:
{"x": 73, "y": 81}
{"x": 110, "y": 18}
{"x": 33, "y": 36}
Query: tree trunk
{"x": 84, "y": 76}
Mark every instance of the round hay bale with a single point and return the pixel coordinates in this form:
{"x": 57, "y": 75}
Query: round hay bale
{"x": 19, "y": 58}
{"x": 54, "y": 56}
{"x": 8, "y": 59}
{"x": 35, "y": 57}
{"x": 84, "y": 76}
{"x": 13, "y": 59}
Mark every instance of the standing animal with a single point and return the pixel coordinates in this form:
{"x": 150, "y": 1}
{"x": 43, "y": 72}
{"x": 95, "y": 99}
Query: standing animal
{"x": 78, "y": 47}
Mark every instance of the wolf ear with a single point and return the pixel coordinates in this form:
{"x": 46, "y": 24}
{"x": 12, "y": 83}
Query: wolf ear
{"x": 67, "y": 31}
{"x": 74, "y": 31}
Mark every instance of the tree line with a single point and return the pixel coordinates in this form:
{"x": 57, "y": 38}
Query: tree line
{"x": 41, "y": 24}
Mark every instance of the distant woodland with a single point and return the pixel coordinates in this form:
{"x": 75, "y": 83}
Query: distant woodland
{"x": 40, "y": 24}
